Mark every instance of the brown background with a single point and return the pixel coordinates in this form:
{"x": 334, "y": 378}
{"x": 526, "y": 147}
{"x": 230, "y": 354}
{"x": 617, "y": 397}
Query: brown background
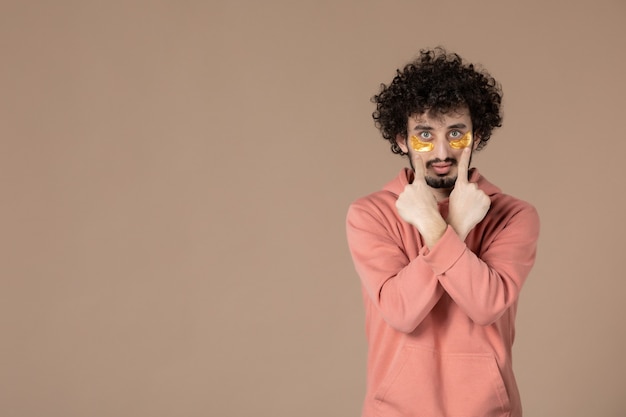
{"x": 175, "y": 177}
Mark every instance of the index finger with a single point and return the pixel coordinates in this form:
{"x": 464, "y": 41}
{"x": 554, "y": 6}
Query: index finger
{"x": 418, "y": 168}
{"x": 463, "y": 166}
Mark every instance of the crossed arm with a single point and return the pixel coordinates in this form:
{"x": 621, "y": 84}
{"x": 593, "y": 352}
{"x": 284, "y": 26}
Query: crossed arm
{"x": 405, "y": 287}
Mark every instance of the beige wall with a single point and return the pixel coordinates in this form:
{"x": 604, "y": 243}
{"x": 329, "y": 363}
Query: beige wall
{"x": 175, "y": 177}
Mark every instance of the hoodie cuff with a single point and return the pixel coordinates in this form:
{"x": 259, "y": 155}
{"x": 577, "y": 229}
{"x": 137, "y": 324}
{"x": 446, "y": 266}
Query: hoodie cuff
{"x": 445, "y": 253}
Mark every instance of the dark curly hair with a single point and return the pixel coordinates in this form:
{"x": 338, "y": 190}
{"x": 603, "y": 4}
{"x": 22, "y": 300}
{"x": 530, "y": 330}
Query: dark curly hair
{"x": 438, "y": 82}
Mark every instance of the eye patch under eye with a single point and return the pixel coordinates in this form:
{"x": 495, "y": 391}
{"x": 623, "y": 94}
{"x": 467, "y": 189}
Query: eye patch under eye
{"x": 419, "y": 146}
{"x": 464, "y": 142}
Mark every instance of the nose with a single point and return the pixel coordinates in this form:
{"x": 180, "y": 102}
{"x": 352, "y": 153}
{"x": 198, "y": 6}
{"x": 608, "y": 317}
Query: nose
{"x": 442, "y": 149}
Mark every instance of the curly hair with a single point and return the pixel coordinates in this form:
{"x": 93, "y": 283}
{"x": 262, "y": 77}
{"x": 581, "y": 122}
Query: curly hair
{"x": 438, "y": 82}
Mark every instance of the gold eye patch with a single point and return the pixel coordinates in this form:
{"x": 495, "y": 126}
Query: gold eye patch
{"x": 464, "y": 142}
{"x": 419, "y": 146}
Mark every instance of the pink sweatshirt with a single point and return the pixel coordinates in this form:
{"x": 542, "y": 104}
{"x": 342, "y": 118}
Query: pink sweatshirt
{"x": 440, "y": 323}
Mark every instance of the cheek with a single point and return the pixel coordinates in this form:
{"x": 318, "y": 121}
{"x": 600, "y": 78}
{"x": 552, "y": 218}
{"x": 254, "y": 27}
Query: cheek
{"x": 456, "y": 155}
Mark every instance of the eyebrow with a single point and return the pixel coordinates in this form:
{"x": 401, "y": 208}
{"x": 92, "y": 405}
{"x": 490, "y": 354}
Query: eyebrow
{"x": 427, "y": 127}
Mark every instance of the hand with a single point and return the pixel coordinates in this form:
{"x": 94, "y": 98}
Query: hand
{"x": 418, "y": 206}
{"x": 468, "y": 203}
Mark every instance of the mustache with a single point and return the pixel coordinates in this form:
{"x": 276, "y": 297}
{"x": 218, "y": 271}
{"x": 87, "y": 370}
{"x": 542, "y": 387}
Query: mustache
{"x": 451, "y": 161}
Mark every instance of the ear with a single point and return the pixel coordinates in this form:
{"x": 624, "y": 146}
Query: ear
{"x": 401, "y": 141}
{"x": 475, "y": 142}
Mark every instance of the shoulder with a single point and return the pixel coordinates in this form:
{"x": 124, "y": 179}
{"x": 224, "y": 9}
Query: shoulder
{"x": 379, "y": 205}
{"x": 514, "y": 212}
{"x": 505, "y": 205}
{"x": 510, "y": 203}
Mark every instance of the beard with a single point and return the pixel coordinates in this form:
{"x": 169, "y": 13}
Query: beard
{"x": 440, "y": 182}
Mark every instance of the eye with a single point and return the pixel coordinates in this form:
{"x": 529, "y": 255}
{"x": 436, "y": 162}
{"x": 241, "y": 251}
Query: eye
{"x": 426, "y": 135}
{"x": 455, "y": 134}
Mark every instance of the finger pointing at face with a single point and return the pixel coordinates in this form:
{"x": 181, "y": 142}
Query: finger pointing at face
{"x": 418, "y": 168}
{"x": 464, "y": 165}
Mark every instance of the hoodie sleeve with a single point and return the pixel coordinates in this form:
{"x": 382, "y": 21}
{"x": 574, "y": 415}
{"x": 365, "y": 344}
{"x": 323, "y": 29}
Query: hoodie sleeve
{"x": 486, "y": 285}
{"x": 403, "y": 290}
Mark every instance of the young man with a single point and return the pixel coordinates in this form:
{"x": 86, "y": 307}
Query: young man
{"x": 441, "y": 252}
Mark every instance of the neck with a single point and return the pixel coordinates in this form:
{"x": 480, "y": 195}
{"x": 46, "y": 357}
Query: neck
{"x": 441, "y": 193}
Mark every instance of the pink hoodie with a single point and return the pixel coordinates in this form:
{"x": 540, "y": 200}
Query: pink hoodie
{"x": 440, "y": 323}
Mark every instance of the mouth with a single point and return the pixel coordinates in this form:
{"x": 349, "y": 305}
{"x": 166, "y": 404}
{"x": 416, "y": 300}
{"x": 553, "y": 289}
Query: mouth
{"x": 441, "y": 168}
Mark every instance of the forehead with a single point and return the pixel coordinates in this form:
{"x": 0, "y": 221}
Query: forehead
{"x": 435, "y": 120}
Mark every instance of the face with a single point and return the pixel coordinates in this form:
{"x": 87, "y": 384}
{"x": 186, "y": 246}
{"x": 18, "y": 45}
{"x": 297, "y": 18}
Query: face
{"x": 438, "y": 139}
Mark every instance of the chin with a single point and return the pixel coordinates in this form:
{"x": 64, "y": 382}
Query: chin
{"x": 441, "y": 182}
